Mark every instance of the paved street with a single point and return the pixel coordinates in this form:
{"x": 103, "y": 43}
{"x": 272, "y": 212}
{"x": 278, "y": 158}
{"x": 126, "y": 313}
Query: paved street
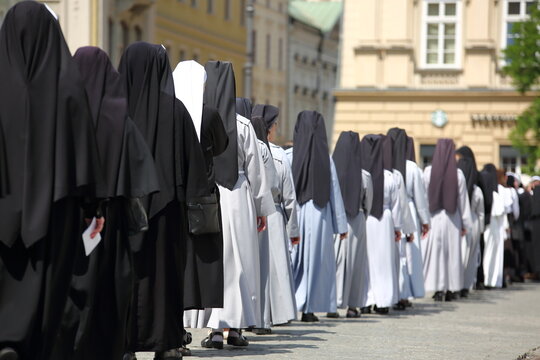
{"x": 496, "y": 324}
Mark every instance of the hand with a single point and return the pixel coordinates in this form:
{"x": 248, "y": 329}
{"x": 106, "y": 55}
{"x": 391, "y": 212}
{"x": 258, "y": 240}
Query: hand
{"x": 425, "y": 230}
{"x": 343, "y": 236}
{"x": 100, "y": 223}
{"x": 398, "y": 235}
{"x": 261, "y": 223}
{"x": 463, "y": 232}
{"x": 410, "y": 238}
{"x": 295, "y": 240}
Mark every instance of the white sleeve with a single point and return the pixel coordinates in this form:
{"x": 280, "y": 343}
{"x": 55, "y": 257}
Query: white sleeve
{"x": 407, "y": 221}
{"x": 464, "y": 205}
{"x": 420, "y": 197}
{"x": 339, "y": 216}
{"x": 395, "y": 203}
{"x": 367, "y": 199}
{"x": 288, "y": 195}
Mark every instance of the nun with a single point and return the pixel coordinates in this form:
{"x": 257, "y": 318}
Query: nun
{"x": 159, "y": 254}
{"x": 470, "y": 243}
{"x": 351, "y": 253}
{"x": 450, "y": 220}
{"x": 411, "y": 277}
{"x": 245, "y": 201}
{"x": 383, "y": 225}
{"x": 283, "y": 228}
{"x": 321, "y": 215}
{"x": 495, "y": 233}
{"x": 50, "y": 170}
{"x": 98, "y": 306}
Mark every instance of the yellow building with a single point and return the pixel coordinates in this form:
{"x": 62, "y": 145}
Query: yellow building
{"x": 202, "y": 30}
{"x": 432, "y": 67}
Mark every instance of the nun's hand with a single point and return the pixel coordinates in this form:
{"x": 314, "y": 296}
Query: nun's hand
{"x": 295, "y": 240}
{"x": 398, "y": 235}
{"x": 100, "y": 223}
{"x": 463, "y": 232}
{"x": 261, "y": 223}
{"x": 410, "y": 238}
{"x": 425, "y": 230}
{"x": 343, "y": 236}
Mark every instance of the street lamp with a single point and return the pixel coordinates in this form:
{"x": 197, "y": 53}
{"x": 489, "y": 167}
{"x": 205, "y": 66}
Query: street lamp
{"x": 248, "y": 66}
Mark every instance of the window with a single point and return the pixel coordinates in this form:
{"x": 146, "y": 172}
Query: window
{"x": 111, "y": 37}
{"x": 125, "y": 35}
{"x": 194, "y": 3}
{"x": 182, "y": 55}
{"x": 280, "y": 54}
{"x": 514, "y": 11}
{"x": 243, "y": 12}
{"x": 196, "y": 57}
{"x": 511, "y": 159}
{"x": 441, "y": 34}
{"x": 268, "y": 44}
{"x": 426, "y": 155}
{"x": 227, "y": 9}
{"x": 210, "y": 6}
{"x": 138, "y": 33}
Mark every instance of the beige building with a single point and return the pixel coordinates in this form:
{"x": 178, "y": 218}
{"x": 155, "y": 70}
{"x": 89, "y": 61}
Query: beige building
{"x": 432, "y": 67}
{"x": 270, "y": 45}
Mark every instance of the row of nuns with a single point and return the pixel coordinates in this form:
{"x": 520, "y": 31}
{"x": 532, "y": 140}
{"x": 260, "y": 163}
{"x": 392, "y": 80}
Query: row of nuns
{"x": 140, "y": 202}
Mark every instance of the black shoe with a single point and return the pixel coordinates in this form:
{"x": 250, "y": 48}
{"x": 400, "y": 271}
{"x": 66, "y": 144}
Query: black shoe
{"x": 187, "y": 338}
{"x": 480, "y": 286}
{"x": 352, "y": 313}
{"x": 332, "y": 315}
{"x": 239, "y": 340}
{"x": 261, "y": 331}
{"x": 449, "y": 296}
{"x": 8, "y": 354}
{"x": 365, "y": 310}
{"x": 399, "y": 306}
{"x": 209, "y": 344}
{"x": 173, "y": 354}
{"x": 438, "y": 296}
{"x": 309, "y": 317}
{"x": 380, "y": 311}
{"x": 464, "y": 293}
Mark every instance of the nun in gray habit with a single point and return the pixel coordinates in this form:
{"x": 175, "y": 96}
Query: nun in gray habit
{"x": 352, "y": 276}
{"x": 450, "y": 219}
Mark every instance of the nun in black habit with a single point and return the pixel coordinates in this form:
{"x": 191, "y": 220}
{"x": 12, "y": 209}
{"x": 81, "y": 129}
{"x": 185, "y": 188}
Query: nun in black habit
{"x": 51, "y": 165}
{"x": 157, "y": 304}
{"x": 94, "y": 325}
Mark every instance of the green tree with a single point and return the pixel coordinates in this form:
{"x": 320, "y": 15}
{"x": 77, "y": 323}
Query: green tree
{"x": 523, "y": 66}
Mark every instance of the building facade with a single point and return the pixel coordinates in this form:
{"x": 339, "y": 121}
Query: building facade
{"x": 202, "y": 30}
{"x": 270, "y": 42}
{"x": 312, "y": 59}
{"x": 433, "y": 67}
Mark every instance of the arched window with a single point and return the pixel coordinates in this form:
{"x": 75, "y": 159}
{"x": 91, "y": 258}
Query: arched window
{"x": 125, "y": 35}
{"x": 138, "y": 33}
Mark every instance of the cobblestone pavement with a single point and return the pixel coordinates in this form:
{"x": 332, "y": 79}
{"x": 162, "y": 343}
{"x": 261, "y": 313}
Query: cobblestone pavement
{"x": 494, "y": 324}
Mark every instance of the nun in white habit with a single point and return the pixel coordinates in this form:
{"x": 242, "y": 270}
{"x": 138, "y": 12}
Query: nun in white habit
{"x": 322, "y": 215}
{"x": 495, "y": 232}
{"x": 282, "y": 230}
{"x": 450, "y": 219}
{"x": 411, "y": 277}
{"x": 470, "y": 243}
{"x": 383, "y": 225}
{"x": 245, "y": 201}
{"x": 352, "y": 276}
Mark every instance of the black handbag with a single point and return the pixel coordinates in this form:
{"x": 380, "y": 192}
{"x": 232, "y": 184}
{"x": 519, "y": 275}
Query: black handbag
{"x": 136, "y": 217}
{"x": 203, "y": 215}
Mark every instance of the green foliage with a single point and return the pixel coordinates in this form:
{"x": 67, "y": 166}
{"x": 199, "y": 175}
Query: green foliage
{"x": 523, "y": 66}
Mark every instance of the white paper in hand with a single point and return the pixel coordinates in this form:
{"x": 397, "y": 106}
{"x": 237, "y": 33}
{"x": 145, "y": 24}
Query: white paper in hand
{"x": 89, "y": 243}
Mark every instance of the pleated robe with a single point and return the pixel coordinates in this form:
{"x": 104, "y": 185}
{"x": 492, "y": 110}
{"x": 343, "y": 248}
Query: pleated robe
{"x": 419, "y": 207}
{"x": 470, "y": 243}
{"x": 381, "y": 247}
{"x": 314, "y": 264}
{"x": 443, "y": 267}
{"x": 264, "y": 237}
{"x": 494, "y": 237}
{"x": 282, "y": 226}
{"x": 250, "y": 197}
{"x": 352, "y": 269}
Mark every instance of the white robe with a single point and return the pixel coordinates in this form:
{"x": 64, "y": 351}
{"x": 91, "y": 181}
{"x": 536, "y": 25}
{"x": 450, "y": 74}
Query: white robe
{"x": 413, "y": 274}
{"x": 470, "y": 243}
{"x": 381, "y": 247}
{"x": 443, "y": 266}
{"x": 494, "y": 237}
{"x": 352, "y": 269}
{"x": 314, "y": 264}
{"x": 282, "y": 226}
{"x": 251, "y": 197}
